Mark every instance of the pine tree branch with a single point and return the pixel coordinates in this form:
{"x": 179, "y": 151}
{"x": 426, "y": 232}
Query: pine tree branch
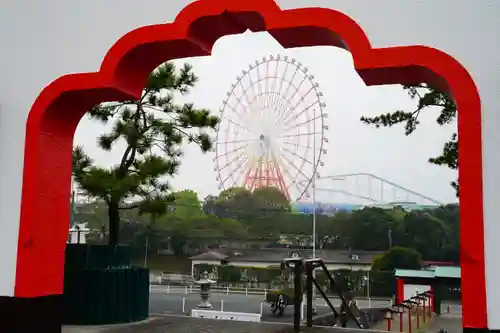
{"x": 430, "y": 98}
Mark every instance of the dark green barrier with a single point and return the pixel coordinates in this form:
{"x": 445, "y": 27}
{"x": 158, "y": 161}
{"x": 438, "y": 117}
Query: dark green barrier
{"x": 84, "y": 256}
{"x": 98, "y": 297}
{"x": 101, "y": 288}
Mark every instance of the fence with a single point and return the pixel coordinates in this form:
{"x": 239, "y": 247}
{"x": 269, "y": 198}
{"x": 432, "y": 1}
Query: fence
{"x": 194, "y": 289}
{"x": 216, "y": 290}
{"x": 362, "y": 284}
{"x": 172, "y": 279}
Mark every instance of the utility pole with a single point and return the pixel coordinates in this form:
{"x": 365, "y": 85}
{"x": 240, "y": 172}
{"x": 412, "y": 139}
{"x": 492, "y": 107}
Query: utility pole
{"x": 314, "y": 207}
{"x": 390, "y": 238}
{"x": 148, "y": 232}
{"x": 146, "y": 249}
{"x": 72, "y": 205}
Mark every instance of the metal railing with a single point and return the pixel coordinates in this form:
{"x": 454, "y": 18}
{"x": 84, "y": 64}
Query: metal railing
{"x": 194, "y": 289}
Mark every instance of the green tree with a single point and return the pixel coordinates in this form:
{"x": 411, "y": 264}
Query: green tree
{"x": 425, "y": 233}
{"x": 426, "y": 97}
{"x": 234, "y": 193}
{"x": 185, "y": 204}
{"x": 372, "y": 221}
{"x": 450, "y": 216}
{"x": 95, "y": 214}
{"x": 211, "y": 227}
{"x": 209, "y": 204}
{"x": 198, "y": 230}
{"x": 398, "y": 258}
{"x": 236, "y": 202}
{"x": 270, "y": 198}
{"x": 177, "y": 232}
{"x": 153, "y": 129}
{"x": 229, "y": 274}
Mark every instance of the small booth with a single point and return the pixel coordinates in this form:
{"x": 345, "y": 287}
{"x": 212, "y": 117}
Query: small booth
{"x": 442, "y": 281}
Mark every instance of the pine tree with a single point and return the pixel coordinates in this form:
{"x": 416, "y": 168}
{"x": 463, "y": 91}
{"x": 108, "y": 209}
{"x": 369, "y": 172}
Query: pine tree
{"x": 153, "y": 129}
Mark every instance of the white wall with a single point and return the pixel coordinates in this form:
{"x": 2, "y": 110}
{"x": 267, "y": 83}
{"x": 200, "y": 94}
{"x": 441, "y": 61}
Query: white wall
{"x": 411, "y": 290}
{"x": 43, "y": 40}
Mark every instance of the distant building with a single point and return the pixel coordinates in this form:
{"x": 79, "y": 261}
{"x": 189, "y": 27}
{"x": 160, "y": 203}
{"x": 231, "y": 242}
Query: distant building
{"x": 406, "y": 205}
{"x": 272, "y": 257}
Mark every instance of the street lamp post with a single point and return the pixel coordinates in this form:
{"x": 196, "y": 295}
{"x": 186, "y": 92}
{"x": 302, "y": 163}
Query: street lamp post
{"x": 401, "y": 311}
{"x": 367, "y": 283}
{"x": 411, "y": 305}
{"x": 388, "y": 315}
{"x": 146, "y": 246}
{"x": 314, "y": 209}
{"x": 418, "y": 301}
{"x": 314, "y": 196}
{"x": 389, "y": 235}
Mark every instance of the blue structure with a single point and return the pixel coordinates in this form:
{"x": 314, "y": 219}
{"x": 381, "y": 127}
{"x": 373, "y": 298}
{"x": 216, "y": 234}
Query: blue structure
{"x": 332, "y": 208}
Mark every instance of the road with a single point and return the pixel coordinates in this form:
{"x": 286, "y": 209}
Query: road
{"x": 165, "y": 300}
{"x": 448, "y": 321}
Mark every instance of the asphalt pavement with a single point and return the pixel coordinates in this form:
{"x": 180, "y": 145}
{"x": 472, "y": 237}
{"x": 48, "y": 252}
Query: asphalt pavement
{"x": 164, "y": 300}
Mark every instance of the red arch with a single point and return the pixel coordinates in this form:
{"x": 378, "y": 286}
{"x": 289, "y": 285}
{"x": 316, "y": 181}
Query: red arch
{"x": 57, "y": 111}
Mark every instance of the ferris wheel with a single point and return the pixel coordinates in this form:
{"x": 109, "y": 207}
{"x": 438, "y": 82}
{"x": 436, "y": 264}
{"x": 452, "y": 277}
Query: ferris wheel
{"x": 271, "y": 131}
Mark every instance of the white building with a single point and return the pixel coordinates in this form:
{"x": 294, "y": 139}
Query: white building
{"x": 78, "y": 233}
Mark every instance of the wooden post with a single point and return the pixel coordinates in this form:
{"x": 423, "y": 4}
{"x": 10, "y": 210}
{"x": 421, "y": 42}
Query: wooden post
{"x": 409, "y": 321}
{"x": 418, "y": 316}
{"x": 424, "y": 312}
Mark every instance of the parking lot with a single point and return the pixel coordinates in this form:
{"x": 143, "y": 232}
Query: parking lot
{"x": 170, "y": 300}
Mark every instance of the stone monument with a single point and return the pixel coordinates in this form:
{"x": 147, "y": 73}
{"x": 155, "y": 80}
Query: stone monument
{"x": 205, "y": 282}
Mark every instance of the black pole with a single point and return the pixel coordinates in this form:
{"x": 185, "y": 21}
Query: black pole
{"x": 309, "y": 293}
{"x": 72, "y": 208}
{"x": 297, "y": 299}
{"x": 390, "y": 238}
{"x": 77, "y": 227}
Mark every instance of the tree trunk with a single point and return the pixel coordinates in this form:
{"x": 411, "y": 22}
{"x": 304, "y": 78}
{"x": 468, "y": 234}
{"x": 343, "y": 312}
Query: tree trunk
{"x": 114, "y": 223}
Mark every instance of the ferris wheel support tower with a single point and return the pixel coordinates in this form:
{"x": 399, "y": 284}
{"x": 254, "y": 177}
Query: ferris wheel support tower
{"x": 265, "y": 171}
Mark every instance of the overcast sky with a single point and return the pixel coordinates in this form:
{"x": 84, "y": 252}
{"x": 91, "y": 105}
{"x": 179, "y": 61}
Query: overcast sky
{"x": 352, "y": 146}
